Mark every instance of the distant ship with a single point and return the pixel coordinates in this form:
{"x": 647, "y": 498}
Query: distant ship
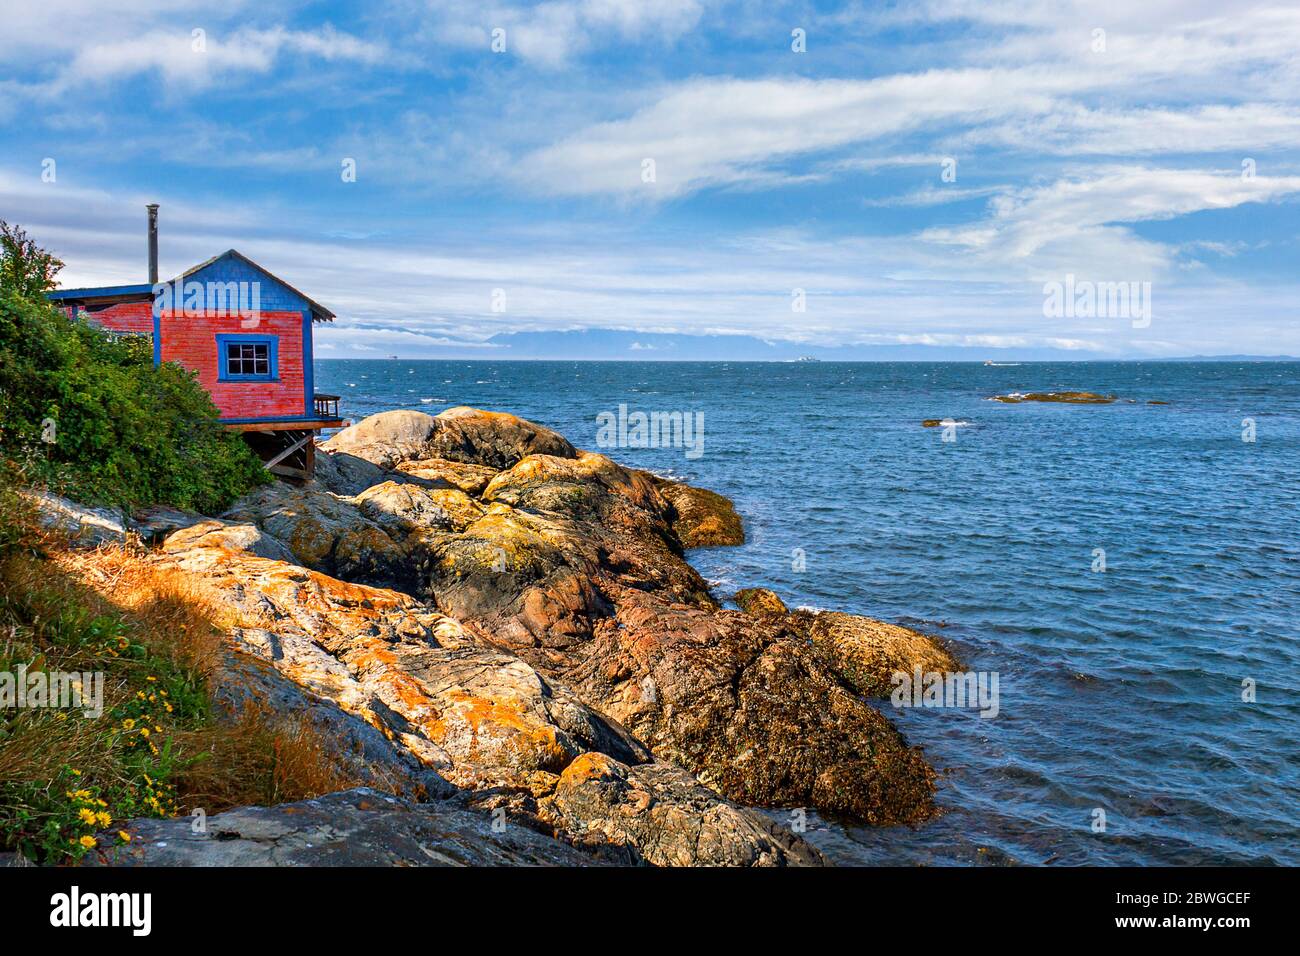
{"x": 807, "y": 358}
{"x": 994, "y": 364}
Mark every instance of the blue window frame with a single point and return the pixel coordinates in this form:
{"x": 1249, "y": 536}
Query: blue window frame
{"x": 248, "y": 358}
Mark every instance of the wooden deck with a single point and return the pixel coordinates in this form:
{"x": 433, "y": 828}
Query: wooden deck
{"x": 314, "y": 424}
{"x": 287, "y": 448}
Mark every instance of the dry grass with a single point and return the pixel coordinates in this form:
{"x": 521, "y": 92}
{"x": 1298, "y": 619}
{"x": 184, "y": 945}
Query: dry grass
{"x": 160, "y": 747}
{"x": 260, "y": 759}
{"x": 173, "y": 617}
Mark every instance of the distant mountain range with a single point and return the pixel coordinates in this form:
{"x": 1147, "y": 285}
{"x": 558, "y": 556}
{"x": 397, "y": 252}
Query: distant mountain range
{"x": 617, "y": 345}
{"x": 1234, "y": 358}
{"x": 613, "y": 344}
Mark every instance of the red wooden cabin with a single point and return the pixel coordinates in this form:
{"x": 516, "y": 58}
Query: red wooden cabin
{"x": 246, "y": 333}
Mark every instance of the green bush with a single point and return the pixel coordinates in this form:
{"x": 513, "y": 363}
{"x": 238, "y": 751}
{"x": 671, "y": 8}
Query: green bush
{"x": 91, "y": 416}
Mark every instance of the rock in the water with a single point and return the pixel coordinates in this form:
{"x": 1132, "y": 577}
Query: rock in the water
{"x": 608, "y": 803}
{"x": 752, "y": 709}
{"x": 701, "y": 518}
{"x": 359, "y": 827}
{"x": 1069, "y": 398}
{"x": 867, "y": 653}
{"x": 760, "y": 601}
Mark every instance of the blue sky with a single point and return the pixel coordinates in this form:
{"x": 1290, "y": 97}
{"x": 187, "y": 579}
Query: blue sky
{"x": 1113, "y": 156}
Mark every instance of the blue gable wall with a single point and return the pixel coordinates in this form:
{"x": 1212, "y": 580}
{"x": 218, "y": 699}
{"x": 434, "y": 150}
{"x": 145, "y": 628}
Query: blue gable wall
{"x": 275, "y": 296}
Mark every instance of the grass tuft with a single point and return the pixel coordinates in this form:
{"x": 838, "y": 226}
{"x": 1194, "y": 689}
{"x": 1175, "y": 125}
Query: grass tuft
{"x": 159, "y": 748}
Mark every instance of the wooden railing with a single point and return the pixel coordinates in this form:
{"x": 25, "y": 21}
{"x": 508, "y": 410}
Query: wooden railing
{"x": 327, "y": 406}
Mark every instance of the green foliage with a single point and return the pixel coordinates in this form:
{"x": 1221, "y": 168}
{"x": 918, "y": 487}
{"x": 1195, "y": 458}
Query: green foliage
{"x": 68, "y": 781}
{"x": 25, "y": 268}
{"x": 89, "y": 414}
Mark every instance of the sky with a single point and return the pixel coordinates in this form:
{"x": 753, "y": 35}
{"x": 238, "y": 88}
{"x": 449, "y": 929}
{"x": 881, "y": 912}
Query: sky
{"x": 820, "y": 175}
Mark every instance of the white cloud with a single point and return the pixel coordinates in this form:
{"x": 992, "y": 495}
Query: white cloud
{"x": 933, "y": 196}
{"x": 1074, "y": 224}
{"x": 195, "y": 61}
{"x": 1077, "y": 130}
{"x": 708, "y": 132}
{"x": 549, "y": 34}
{"x": 1029, "y": 90}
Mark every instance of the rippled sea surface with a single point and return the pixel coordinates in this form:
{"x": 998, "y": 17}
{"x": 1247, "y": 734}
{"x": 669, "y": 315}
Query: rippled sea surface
{"x": 1121, "y": 690}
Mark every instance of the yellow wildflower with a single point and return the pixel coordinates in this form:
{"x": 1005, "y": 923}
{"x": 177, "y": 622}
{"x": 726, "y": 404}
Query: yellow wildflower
{"x": 88, "y": 842}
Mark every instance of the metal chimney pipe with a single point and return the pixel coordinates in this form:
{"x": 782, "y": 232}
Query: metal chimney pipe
{"x": 153, "y": 242}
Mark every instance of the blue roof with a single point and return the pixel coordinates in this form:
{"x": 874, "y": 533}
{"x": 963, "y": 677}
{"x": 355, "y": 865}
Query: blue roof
{"x": 102, "y": 292}
{"x": 132, "y": 292}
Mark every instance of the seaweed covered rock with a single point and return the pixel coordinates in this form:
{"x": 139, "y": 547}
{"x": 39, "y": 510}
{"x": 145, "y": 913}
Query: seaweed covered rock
{"x": 866, "y": 653}
{"x": 760, "y": 601}
{"x": 619, "y": 805}
{"x": 748, "y": 706}
{"x": 1067, "y": 398}
{"x": 701, "y": 518}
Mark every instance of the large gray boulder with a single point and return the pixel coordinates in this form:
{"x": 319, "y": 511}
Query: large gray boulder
{"x": 81, "y": 525}
{"x": 469, "y": 435}
{"x": 360, "y": 827}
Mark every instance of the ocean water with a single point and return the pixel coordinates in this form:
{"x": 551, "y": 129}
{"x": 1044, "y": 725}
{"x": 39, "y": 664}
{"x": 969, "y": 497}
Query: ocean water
{"x": 1120, "y": 690}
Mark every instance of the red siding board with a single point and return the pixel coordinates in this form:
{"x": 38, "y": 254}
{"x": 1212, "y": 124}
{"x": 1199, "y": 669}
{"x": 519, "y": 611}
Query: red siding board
{"x": 123, "y": 317}
{"x": 192, "y": 341}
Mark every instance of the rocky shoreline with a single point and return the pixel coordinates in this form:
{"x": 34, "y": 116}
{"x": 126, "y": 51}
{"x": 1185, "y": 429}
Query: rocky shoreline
{"x": 488, "y": 621}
